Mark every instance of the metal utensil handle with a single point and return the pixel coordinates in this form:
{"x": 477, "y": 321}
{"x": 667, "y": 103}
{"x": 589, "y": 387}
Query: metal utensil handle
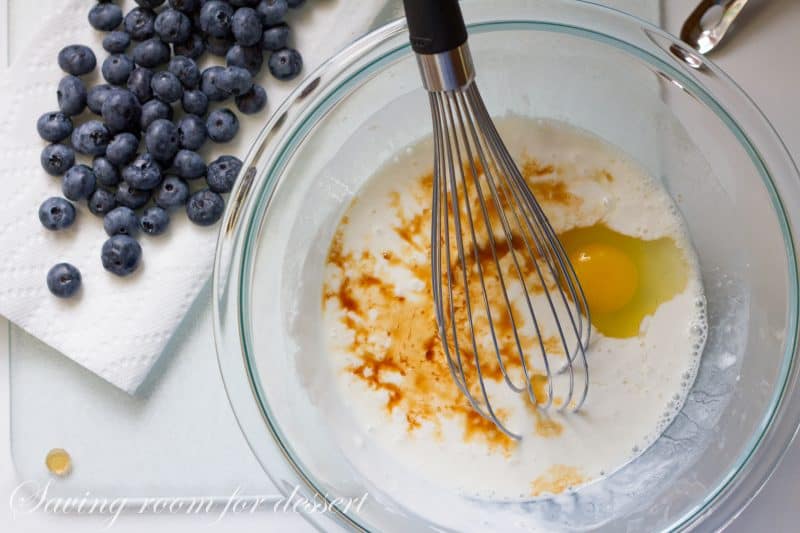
{"x": 704, "y": 34}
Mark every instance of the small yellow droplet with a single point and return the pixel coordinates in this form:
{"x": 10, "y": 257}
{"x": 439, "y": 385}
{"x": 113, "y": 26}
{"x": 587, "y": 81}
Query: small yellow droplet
{"x": 58, "y": 462}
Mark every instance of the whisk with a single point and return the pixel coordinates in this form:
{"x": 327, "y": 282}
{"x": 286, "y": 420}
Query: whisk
{"x": 491, "y": 240}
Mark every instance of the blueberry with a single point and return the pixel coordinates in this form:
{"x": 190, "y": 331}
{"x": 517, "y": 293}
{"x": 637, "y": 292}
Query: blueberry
{"x": 205, "y": 207}
{"x": 56, "y": 213}
{"x": 79, "y": 182}
{"x": 193, "y": 48}
{"x": 243, "y": 3}
{"x": 63, "y": 280}
{"x": 173, "y": 192}
{"x": 247, "y": 57}
{"x": 71, "y": 95}
{"x": 189, "y": 165}
{"x": 150, "y": 4}
{"x": 139, "y": 84}
{"x": 285, "y": 63}
{"x": 215, "y": 18}
{"x": 186, "y": 71}
{"x": 166, "y": 87}
{"x": 219, "y": 46}
{"x": 54, "y": 126}
{"x": 234, "y": 81}
{"x": 154, "y": 110}
{"x": 131, "y": 197}
{"x": 162, "y": 140}
{"x": 222, "y": 125}
{"x": 275, "y": 38}
{"x": 57, "y": 159}
{"x": 144, "y": 173}
{"x": 102, "y": 201}
{"x": 173, "y": 26}
{"x": 151, "y": 53}
{"x": 116, "y": 42}
{"x": 121, "y": 221}
{"x": 140, "y": 23}
{"x": 209, "y": 84}
{"x": 105, "y": 172}
{"x": 117, "y": 68}
{"x": 246, "y": 26}
{"x": 195, "y": 102}
{"x": 252, "y": 101}
{"x": 105, "y": 16}
{"x": 121, "y": 254}
{"x": 121, "y": 111}
{"x": 77, "y": 59}
{"x": 272, "y": 11}
{"x": 91, "y": 138}
{"x": 222, "y": 172}
{"x": 154, "y": 220}
{"x": 191, "y": 132}
{"x": 122, "y": 149}
{"x": 295, "y": 3}
{"x": 186, "y": 6}
{"x": 96, "y": 96}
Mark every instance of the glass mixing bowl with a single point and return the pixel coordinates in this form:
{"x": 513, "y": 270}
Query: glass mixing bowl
{"x": 600, "y": 70}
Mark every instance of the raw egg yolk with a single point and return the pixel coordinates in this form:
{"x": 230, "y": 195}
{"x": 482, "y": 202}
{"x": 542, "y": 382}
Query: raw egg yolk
{"x": 608, "y": 276}
{"x": 624, "y": 278}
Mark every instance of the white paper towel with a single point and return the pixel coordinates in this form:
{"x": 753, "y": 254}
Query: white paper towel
{"x": 116, "y": 327}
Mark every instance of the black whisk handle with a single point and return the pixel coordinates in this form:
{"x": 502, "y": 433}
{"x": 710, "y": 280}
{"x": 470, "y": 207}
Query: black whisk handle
{"x": 435, "y": 26}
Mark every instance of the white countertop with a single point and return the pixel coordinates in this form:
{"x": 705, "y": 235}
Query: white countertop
{"x": 761, "y": 57}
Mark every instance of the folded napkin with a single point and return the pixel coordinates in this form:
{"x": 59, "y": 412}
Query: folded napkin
{"x": 115, "y": 327}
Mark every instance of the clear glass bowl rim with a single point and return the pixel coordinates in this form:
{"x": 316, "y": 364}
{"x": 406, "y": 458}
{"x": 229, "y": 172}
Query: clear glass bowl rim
{"x": 286, "y": 129}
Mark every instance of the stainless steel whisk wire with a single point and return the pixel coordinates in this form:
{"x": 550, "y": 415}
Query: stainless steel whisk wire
{"x": 465, "y": 132}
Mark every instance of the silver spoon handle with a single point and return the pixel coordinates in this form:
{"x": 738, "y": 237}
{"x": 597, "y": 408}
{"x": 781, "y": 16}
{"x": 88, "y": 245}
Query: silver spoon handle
{"x": 709, "y": 22}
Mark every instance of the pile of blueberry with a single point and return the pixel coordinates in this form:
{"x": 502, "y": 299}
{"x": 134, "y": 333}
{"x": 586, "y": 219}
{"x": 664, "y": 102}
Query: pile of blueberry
{"x": 150, "y": 71}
